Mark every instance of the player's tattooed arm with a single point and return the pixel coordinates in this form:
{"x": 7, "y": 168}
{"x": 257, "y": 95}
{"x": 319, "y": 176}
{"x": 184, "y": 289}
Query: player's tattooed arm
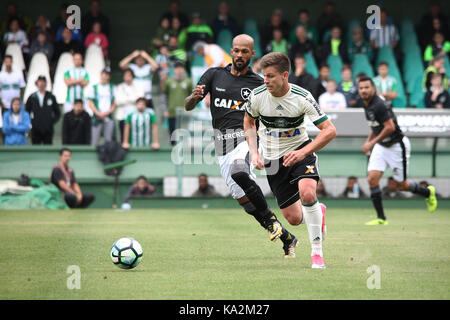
{"x": 196, "y": 96}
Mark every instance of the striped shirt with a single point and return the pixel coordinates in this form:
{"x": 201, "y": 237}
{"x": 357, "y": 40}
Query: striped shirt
{"x": 140, "y": 127}
{"x": 385, "y": 36}
{"x": 385, "y": 85}
{"x": 143, "y": 76}
{"x": 75, "y": 91}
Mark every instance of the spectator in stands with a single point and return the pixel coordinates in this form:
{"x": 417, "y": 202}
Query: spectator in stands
{"x": 126, "y": 95}
{"x": 41, "y": 44}
{"x": 95, "y": 15}
{"x": 76, "y": 33}
{"x": 66, "y": 44}
{"x": 179, "y": 33}
{"x": 332, "y": 100}
{"x": 176, "y": 53}
{"x": 63, "y": 177}
{"x": 11, "y": 83}
{"x": 44, "y": 112}
{"x": 76, "y": 79}
{"x": 76, "y": 127}
{"x": 386, "y": 85}
{"x": 16, "y": 35}
{"x": 16, "y": 124}
{"x": 142, "y": 67}
{"x": 276, "y": 22}
{"x": 214, "y": 55}
{"x": 141, "y": 188}
{"x": 391, "y": 191}
{"x": 164, "y": 31}
{"x": 198, "y": 31}
{"x": 352, "y": 190}
{"x": 334, "y": 46}
{"x": 327, "y": 20}
{"x": 224, "y": 21}
{"x": 386, "y": 35}
{"x": 359, "y": 45}
{"x": 304, "y": 21}
{"x": 97, "y": 37}
{"x": 433, "y": 21}
{"x": 438, "y": 47}
{"x": 141, "y": 127}
{"x": 176, "y": 89}
{"x": 12, "y": 13}
{"x": 436, "y": 66}
{"x": 348, "y": 87}
{"x": 321, "y": 83}
{"x": 321, "y": 192}
{"x": 42, "y": 25}
{"x": 436, "y": 97}
{"x": 101, "y": 100}
{"x": 205, "y": 190}
{"x": 256, "y": 67}
{"x": 302, "y": 78}
{"x": 302, "y": 44}
{"x": 174, "y": 12}
{"x": 278, "y": 43}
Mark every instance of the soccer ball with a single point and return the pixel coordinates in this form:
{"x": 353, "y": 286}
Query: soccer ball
{"x": 126, "y": 253}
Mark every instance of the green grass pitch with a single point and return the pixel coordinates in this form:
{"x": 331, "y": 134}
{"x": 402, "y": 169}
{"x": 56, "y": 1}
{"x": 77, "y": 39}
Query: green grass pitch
{"x": 221, "y": 254}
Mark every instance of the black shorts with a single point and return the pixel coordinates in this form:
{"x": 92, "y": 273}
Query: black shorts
{"x": 284, "y": 181}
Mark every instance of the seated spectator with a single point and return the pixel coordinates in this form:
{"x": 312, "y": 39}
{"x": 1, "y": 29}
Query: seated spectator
{"x": 439, "y": 47}
{"x": 359, "y": 45}
{"x": 224, "y": 21}
{"x": 76, "y": 126}
{"x": 174, "y": 12}
{"x": 97, "y": 37}
{"x": 126, "y": 95}
{"x": 327, "y": 20}
{"x": 198, "y": 31}
{"x": 12, "y": 13}
{"x": 41, "y": 44}
{"x": 16, "y": 35}
{"x": 214, "y": 55}
{"x": 176, "y": 89}
{"x": 205, "y": 190}
{"x": 331, "y": 99}
{"x": 321, "y": 192}
{"x": 143, "y": 67}
{"x": 141, "y": 127}
{"x": 433, "y": 21}
{"x": 304, "y": 21}
{"x": 352, "y": 190}
{"x": 436, "y": 97}
{"x": 334, "y": 46}
{"x": 302, "y": 44}
{"x": 278, "y": 43}
{"x": 391, "y": 191}
{"x": 76, "y": 34}
{"x": 385, "y": 84}
{"x": 302, "y": 78}
{"x": 436, "y": 66}
{"x": 175, "y": 51}
{"x": 321, "y": 83}
{"x": 44, "y": 112}
{"x": 16, "y": 124}
{"x": 66, "y": 44}
{"x": 386, "y": 35}
{"x": 141, "y": 188}
{"x": 179, "y": 33}
{"x": 256, "y": 67}
{"x": 163, "y": 61}
{"x": 63, "y": 177}
{"x": 276, "y": 22}
{"x": 164, "y": 31}
{"x": 95, "y": 15}
{"x": 101, "y": 100}
{"x": 348, "y": 87}
{"x": 42, "y": 25}
{"x": 76, "y": 79}
{"x": 11, "y": 82}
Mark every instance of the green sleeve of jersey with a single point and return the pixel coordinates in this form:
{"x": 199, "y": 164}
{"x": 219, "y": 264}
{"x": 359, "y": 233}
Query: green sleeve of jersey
{"x": 153, "y": 118}
{"x": 128, "y": 118}
{"x": 66, "y": 74}
{"x": 86, "y": 77}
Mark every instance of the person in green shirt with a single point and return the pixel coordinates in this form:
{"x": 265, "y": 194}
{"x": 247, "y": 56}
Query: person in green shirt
{"x": 438, "y": 47}
{"x": 386, "y": 85}
{"x": 437, "y": 65}
{"x": 176, "y": 89}
{"x": 141, "y": 127}
{"x": 359, "y": 45}
{"x": 197, "y": 31}
{"x": 278, "y": 43}
{"x": 311, "y": 31}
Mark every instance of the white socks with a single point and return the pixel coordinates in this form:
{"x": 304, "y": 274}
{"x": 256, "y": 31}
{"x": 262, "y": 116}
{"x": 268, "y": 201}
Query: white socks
{"x": 312, "y": 216}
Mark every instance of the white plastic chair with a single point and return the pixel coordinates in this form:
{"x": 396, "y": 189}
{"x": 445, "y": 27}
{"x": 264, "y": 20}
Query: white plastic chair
{"x": 15, "y": 51}
{"x": 94, "y": 63}
{"x": 65, "y": 62}
{"x": 38, "y": 66}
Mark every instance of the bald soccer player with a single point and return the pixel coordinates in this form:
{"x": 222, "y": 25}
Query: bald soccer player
{"x": 229, "y": 88}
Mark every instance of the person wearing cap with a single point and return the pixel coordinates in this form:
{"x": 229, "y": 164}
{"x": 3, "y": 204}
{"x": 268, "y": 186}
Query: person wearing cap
{"x": 101, "y": 100}
{"x": 44, "y": 112}
{"x": 197, "y": 31}
{"x": 176, "y": 89}
{"x": 213, "y": 54}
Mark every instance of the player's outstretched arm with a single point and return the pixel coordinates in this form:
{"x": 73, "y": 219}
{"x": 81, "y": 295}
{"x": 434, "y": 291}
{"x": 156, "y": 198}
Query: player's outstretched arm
{"x": 196, "y": 96}
{"x": 327, "y": 133}
{"x": 250, "y": 136}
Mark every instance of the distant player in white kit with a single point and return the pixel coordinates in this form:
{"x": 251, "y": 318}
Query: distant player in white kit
{"x": 288, "y": 153}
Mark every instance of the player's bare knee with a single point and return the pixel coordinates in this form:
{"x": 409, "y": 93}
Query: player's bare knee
{"x": 294, "y": 220}
{"x": 308, "y": 196}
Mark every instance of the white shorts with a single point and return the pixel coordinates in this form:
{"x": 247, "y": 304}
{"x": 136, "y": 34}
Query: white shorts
{"x": 395, "y": 156}
{"x": 240, "y": 152}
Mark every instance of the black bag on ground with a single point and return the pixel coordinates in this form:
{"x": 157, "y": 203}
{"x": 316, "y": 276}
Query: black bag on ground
{"x": 109, "y": 153}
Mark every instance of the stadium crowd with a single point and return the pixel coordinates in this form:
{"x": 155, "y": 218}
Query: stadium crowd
{"x": 328, "y": 56}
